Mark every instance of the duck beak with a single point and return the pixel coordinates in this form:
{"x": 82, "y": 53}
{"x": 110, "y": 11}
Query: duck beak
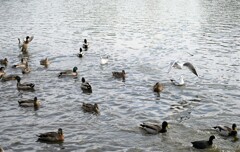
{"x": 168, "y": 126}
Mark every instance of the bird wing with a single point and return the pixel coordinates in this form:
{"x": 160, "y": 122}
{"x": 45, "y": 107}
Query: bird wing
{"x": 191, "y": 68}
{"x": 31, "y": 38}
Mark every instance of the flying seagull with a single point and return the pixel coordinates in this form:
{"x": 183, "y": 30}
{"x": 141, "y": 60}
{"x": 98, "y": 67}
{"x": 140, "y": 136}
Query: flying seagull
{"x": 178, "y": 65}
{"x": 179, "y": 82}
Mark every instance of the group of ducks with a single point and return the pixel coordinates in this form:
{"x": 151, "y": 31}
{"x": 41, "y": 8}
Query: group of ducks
{"x": 93, "y": 108}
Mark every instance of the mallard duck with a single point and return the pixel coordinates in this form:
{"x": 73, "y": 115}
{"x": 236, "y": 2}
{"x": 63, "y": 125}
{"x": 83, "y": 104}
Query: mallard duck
{"x": 2, "y": 71}
{"x": 85, "y": 44}
{"x": 29, "y": 103}
{"x": 103, "y": 60}
{"x": 22, "y": 64}
{"x": 24, "y": 46}
{"x": 52, "y": 136}
{"x": 179, "y": 82}
{"x": 178, "y": 65}
{"x": 26, "y": 70}
{"x": 45, "y": 62}
{"x": 119, "y": 74}
{"x": 158, "y": 87}
{"x": 85, "y": 86}
{"x": 154, "y": 128}
{"x": 4, "y": 61}
{"x": 92, "y": 108}
{"x": 69, "y": 72}
{"x": 81, "y": 54}
{"x": 9, "y": 77}
{"x": 24, "y": 86}
{"x": 226, "y": 131}
{"x": 203, "y": 143}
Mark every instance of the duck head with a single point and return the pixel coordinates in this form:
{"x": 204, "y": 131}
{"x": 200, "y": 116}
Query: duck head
{"x": 18, "y": 78}
{"x": 75, "y": 69}
{"x": 80, "y": 50}
{"x": 164, "y": 125}
{"x": 83, "y": 79}
{"x": 85, "y": 40}
{"x": 60, "y": 131}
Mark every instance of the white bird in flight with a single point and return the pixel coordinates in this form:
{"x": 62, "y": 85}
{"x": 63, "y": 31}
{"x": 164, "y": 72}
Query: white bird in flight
{"x": 179, "y": 82}
{"x": 178, "y": 65}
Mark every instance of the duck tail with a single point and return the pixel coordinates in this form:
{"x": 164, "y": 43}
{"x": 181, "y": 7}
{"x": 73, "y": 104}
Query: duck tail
{"x": 14, "y": 66}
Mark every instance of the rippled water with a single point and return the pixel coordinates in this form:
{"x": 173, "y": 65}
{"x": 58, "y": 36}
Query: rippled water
{"x": 140, "y": 36}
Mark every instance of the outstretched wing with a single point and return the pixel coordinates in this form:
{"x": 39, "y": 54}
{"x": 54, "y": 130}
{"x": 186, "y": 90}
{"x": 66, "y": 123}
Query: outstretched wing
{"x": 191, "y": 68}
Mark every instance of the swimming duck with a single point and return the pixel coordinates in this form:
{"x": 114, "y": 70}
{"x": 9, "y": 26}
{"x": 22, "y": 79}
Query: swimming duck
{"x": 119, "y": 74}
{"x": 158, "y": 87}
{"x": 52, "y": 136}
{"x": 85, "y": 86}
{"x": 92, "y": 108}
{"x": 103, "y": 60}
{"x": 226, "y": 131}
{"x": 69, "y": 72}
{"x": 85, "y": 44}
{"x": 154, "y": 128}
{"x": 26, "y": 70}
{"x": 4, "y": 61}
{"x": 24, "y": 86}
{"x": 9, "y": 77}
{"x": 45, "y": 62}
{"x": 81, "y": 54}
{"x": 2, "y": 71}
{"x": 29, "y": 103}
{"x": 179, "y": 82}
{"x": 24, "y": 45}
{"x": 22, "y": 64}
{"x": 203, "y": 143}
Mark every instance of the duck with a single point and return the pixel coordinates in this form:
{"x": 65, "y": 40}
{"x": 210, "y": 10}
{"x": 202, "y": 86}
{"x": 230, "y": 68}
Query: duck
{"x": 1, "y": 149}
{"x": 178, "y": 65}
{"x": 158, "y": 87}
{"x": 154, "y": 128}
{"x": 2, "y": 71}
{"x": 22, "y": 64}
{"x": 24, "y": 86}
{"x": 119, "y": 74}
{"x": 26, "y": 70}
{"x": 29, "y": 103}
{"x": 85, "y": 44}
{"x": 103, "y": 60}
{"x": 203, "y": 144}
{"x": 92, "y": 108}
{"x": 9, "y": 77}
{"x": 52, "y": 136}
{"x": 179, "y": 82}
{"x": 226, "y": 131}
{"x": 80, "y": 54}
{"x": 69, "y": 72}
{"x": 85, "y": 86}
{"x": 4, "y": 61}
{"x": 24, "y": 46}
{"x": 45, "y": 62}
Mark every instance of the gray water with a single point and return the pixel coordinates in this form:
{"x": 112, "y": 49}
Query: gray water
{"x": 140, "y": 36}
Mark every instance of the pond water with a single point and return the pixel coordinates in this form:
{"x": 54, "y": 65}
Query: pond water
{"x": 141, "y": 37}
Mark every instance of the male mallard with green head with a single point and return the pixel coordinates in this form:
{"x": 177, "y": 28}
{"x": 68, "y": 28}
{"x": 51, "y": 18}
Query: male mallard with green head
{"x": 4, "y": 61}
{"x": 69, "y": 72}
{"x": 24, "y": 86}
{"x": 119, "y": 74}
{"x": 92, "y": 108}
{"x": 52, "y": 136}
{"x": 2, "y": 71}
{"x": 29, "y": 103}
{"x": 24, "y": 45}
{"x": 154, "y": 128}
{"x": 85, "y": 86}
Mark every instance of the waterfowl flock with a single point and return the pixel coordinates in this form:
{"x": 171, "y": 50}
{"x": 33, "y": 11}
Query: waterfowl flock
{"x": 147, "y": 127}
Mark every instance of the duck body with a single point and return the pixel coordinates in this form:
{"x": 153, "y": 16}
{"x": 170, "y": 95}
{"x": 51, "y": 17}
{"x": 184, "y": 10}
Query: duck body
{"x": 22, "y": 64}
{"x": 69, "y": 73}
{"x": 4, "y": 61}
{"x": 9, "y": 77}
{"x": 92, "y": 108}
{"x": 44, "y": 62}
{"x": 85, "y": 86}
{"x": 24, "y": 86}
{"x": 52, "y": 136}
{"x": 158, "y": 87}
{"x": 85, "y": 44}
{"x": 226, "y": 131}
{"x": 29, "y": 103}
{"x": 24, "y": 46}
{"x": 154, "y": 128}
{"x": 26, "y": 70}
{"x": 2, "y": 71}
{"x": 119, "y": 74}
{"x": 202, "y": 144}
{"x": 80, "y": 54}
